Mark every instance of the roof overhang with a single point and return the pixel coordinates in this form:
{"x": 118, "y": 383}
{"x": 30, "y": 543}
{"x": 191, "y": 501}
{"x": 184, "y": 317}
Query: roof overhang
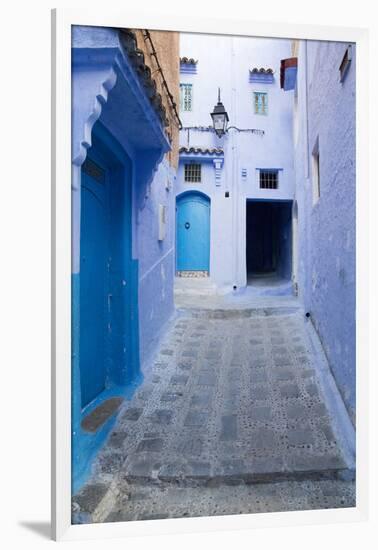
{"x": 201, "y": 154}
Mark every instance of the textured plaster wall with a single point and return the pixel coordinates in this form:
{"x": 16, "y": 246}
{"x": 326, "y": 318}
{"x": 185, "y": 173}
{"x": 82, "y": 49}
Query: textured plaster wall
{"x": 225, "y": 62}
{"x": 166, "y": 44}
{"x": 156, "y": 260}
{"x": 326, "y": 271}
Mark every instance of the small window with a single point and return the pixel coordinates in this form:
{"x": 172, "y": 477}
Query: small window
{"x": 315, "y": 173}
{"x": 268, "y": 179}
{"x": 192, "y": 173}
{"x": 186, "y": 97}
{"x": 345, "y": 63}
{"x": 92, "y": 169}
{"x": 261, "y": 103}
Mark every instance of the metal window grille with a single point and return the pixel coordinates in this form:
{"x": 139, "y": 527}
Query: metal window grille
{"x": 261, "y": 103}
{"x": 193, "y": 173}
{"x": 186, "y": 97}
{"x": 268, "y": 179}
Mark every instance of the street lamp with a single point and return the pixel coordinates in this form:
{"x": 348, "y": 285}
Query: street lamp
{"x": 220, "y": 117}
{"x": 220, "y": 123}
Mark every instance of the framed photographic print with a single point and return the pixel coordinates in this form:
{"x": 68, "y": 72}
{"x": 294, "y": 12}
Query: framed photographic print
{"x": 206, "y": 329}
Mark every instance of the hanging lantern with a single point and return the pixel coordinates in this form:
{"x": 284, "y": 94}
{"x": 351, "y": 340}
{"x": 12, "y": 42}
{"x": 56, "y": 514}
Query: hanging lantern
{"x": 220, "y": 117}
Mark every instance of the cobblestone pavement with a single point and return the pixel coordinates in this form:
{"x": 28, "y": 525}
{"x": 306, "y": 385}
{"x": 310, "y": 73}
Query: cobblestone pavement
{"x": 232, "y": 400}
{"x": 165, "y": 501}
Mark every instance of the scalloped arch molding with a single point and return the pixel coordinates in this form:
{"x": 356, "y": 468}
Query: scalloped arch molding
{"x": 102, "y": 73}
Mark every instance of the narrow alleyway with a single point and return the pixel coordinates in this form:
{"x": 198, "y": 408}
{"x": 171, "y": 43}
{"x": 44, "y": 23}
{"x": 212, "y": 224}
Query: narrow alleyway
{"x": 232, "y": 405}
{"x": 213, "y": 274}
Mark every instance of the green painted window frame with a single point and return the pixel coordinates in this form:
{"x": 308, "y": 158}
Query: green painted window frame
{"x": 260, "y": 102}
{"x": 186, "y": 97}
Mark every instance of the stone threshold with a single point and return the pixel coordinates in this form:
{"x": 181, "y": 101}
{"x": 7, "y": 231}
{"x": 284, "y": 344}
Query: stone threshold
{"x": 192, "y": 274}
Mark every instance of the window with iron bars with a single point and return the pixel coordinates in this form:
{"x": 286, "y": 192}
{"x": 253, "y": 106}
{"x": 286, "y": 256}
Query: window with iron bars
{"x": 261, "y": 103}
{"x": 268, "y": 179}
{"x": 192, "y": 173}
{"x": 186, "y": 97}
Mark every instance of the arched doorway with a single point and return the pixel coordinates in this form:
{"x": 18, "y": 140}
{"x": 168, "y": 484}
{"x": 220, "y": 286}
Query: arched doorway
{"x": 193, "y": 232}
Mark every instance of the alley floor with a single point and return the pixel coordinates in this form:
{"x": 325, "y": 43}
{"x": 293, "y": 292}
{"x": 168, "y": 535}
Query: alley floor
{"x": 231, "y": 418}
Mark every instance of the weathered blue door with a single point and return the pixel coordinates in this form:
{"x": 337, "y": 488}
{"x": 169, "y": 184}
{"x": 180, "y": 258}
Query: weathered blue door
{"x": 93, "y": 277}
{"x": 109, "y": 326}
{"x": 193, "y": 232}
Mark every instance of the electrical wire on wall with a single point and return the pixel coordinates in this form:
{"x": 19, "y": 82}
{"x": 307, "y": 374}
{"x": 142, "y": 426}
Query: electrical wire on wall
{"x": 153, "y": 53}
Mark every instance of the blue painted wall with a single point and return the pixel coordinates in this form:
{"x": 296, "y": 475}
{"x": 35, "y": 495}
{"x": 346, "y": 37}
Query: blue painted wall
{"x": 113, "y": 115}
{"x": 156, "y": 260}
{"x": 325, "y": 112}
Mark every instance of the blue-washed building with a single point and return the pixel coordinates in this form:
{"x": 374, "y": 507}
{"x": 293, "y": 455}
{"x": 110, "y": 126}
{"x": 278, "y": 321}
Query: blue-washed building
{"x": 275, "y": 194}
{"x": 124, "y": 158}
{"x": 234, "y": 193}
{"x": 272, "y": 197}
{"x": 325, "y": 199}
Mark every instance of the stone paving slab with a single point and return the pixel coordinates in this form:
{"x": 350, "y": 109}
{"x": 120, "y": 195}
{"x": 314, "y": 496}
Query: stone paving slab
{"x": 235, "y": 401}
{"x": 161, "y": 502}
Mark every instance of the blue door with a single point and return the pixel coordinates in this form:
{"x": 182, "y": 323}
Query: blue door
{"x": 109, "y": 325}
{"x": 193, "y": 232}
{"x": 93, "y": 277}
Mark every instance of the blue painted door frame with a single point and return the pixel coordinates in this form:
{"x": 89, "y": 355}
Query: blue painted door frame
{"x": 192, "y": 232}
{"x": 109, "y": 343}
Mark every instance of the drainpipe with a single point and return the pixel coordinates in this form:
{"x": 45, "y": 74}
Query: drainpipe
{"x": 306, "y": 249}
{"x": 306, "y": 111}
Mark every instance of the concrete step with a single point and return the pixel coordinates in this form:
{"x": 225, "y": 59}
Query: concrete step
{"x": 131, "y": 501}
{"x": 144, "y": 471}
{"x": 194, "y": 287}
{"x": 245, "y": 313}
{"x": 242, "y": 299}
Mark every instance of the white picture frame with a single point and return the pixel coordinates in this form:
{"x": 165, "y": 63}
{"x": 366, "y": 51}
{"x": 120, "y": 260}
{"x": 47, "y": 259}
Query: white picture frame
{"x": 62, "y": 20}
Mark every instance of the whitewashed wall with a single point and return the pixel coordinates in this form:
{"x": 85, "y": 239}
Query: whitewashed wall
{"x": 225, "y": 62}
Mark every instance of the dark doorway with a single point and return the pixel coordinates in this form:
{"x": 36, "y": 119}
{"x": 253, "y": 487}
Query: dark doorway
{"x": 268, "y": 233}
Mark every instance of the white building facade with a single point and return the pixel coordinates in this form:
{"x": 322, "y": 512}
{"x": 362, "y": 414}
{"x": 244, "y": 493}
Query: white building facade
{"x": 244, "y": 178}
